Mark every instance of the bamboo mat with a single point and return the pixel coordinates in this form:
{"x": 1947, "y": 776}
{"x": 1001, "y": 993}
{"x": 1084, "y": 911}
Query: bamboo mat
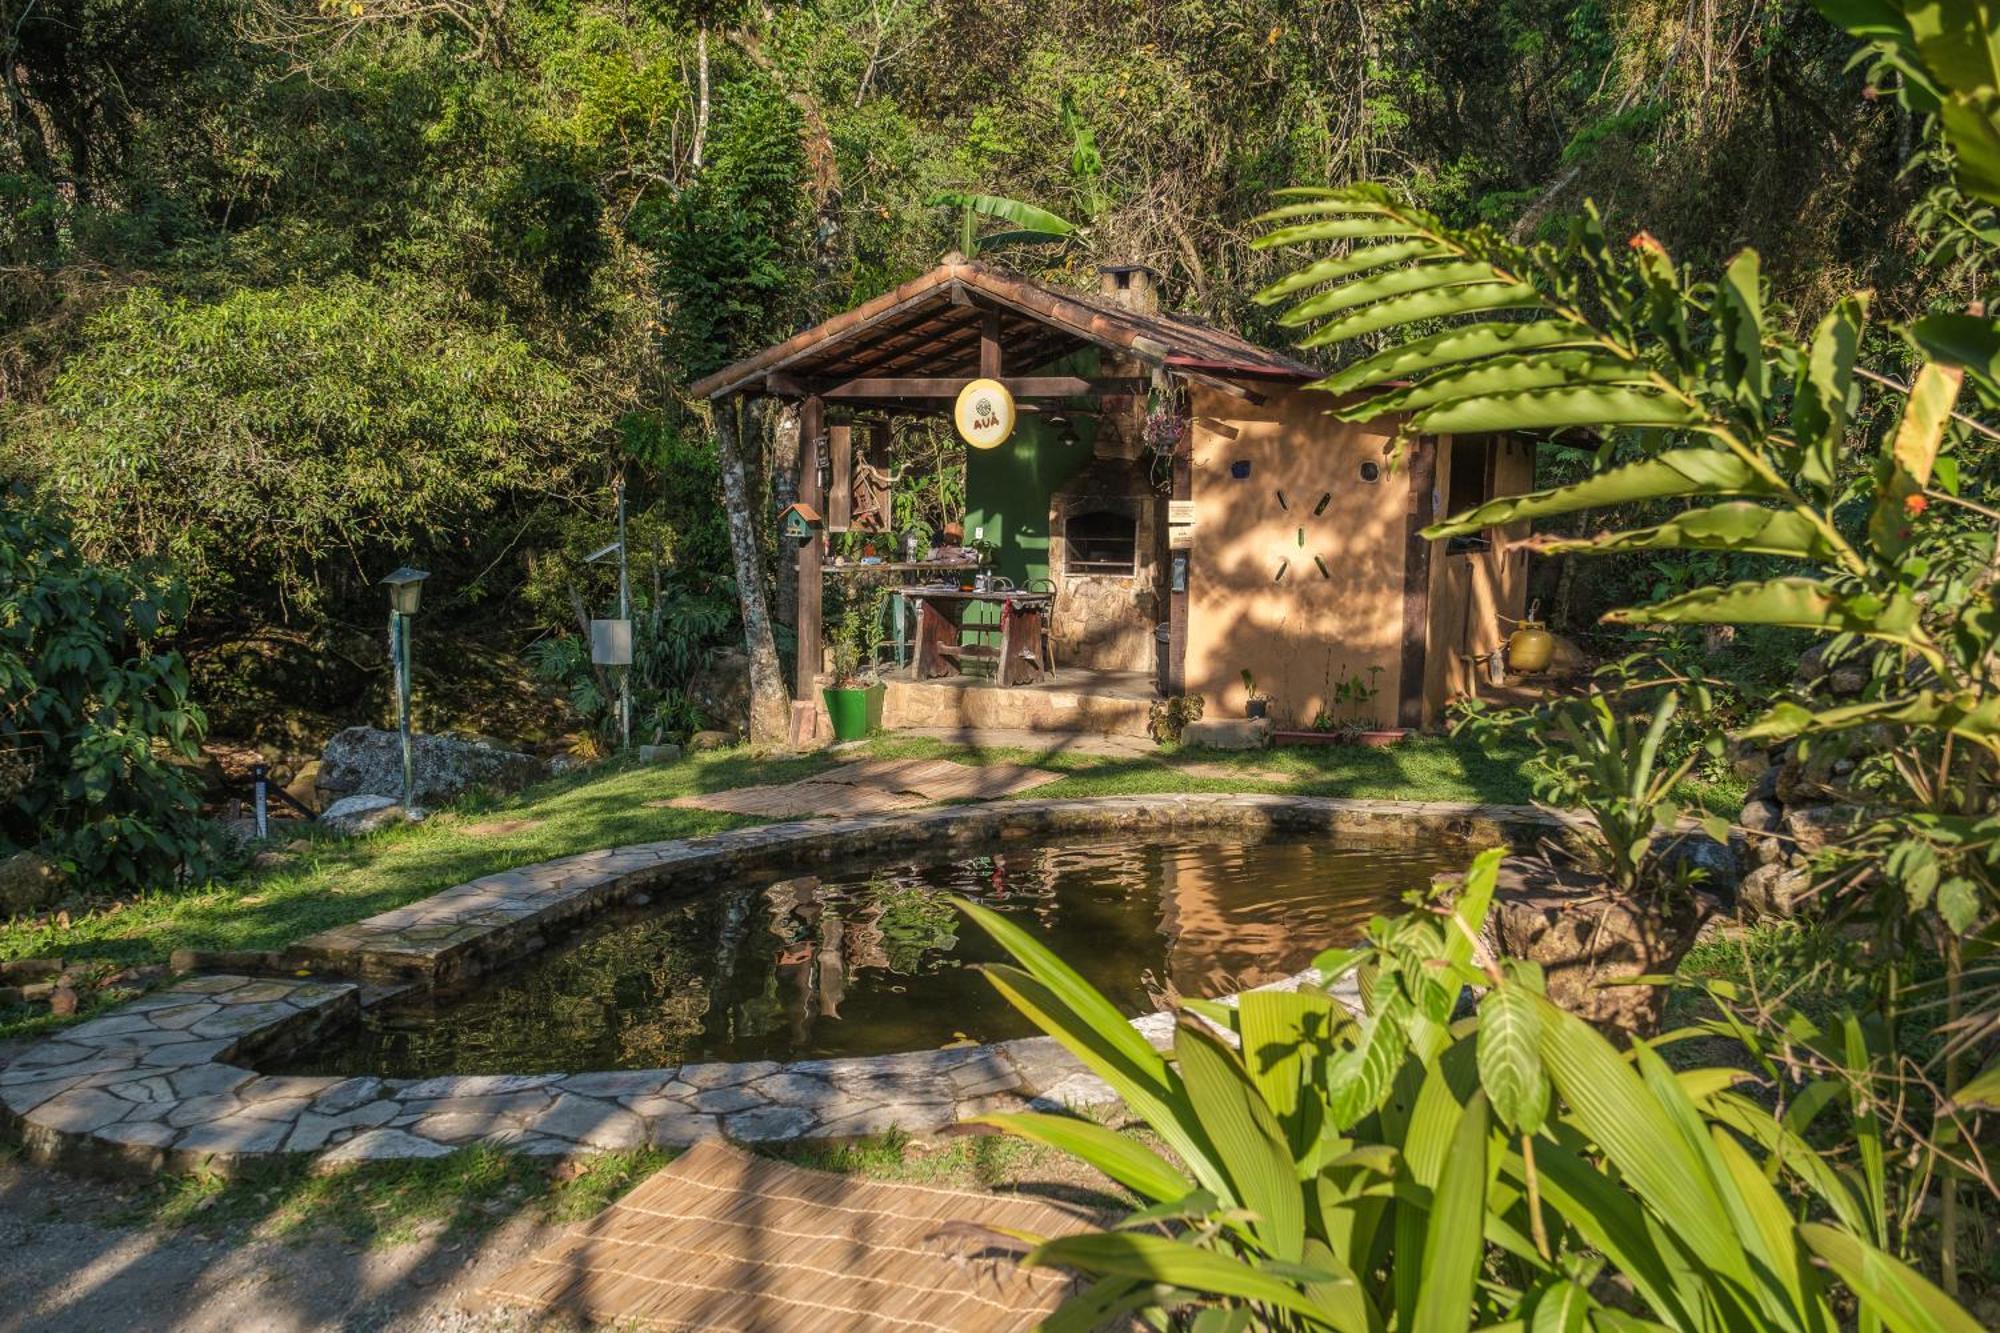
{"x": 722, "y": 1240}
{"x": 871, "y": 786}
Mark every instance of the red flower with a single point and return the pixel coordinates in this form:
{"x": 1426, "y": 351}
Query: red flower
{"x": 1916, "y": 504}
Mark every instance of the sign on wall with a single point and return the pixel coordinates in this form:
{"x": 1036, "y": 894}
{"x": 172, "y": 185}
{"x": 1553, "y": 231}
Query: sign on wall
{"x": 985, "y": 414}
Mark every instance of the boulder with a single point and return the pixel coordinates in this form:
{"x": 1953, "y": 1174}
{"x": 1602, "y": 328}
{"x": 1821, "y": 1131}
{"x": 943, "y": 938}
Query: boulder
{"x": 364, "y": 761}
{"x": 711, "y": 740}
{"x": 303, "y": 786}
{"x": 1772, "y": 891}
{"x": 721, "y": 689}
{"x": 1703, "y": 863}
{"x": 1812, "y": 827}
{"x": 28, "y": 883}
{"x": 1228, "y": 733}
{"x": 659, "y": 754}
{"x": 1583, "y": 936}
{"x": 354, "y": 815}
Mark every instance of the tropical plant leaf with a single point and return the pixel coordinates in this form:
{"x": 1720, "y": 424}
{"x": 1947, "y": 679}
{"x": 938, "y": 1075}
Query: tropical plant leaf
{"x": 1180, "y": 1264}
{"x": 1965, "y": 715}
{"x": 1510, "y": 1061}
{"x": 1800, "y": 603}
{"x": 1981, "y": 1092}
{"x": 1825, "y": 392}
{"x": 1674, "y": 473}
{"x": 1503, "y": 374}
{"x": 1457, "y": 346}
{"x": 1891, "y": 1289}
{"x": 1969, "y": 342}
{"x": 1740, "y": 305}
{"x": 1911, "y": 453}
{"x": 1120, "y": 1156}
{"x": 1248, "y": 1140}
{"x": 1397, "y": 282}
{"x": 1736, "y": 525}
{"x": 1556, "y": 409}
{"x": 1024, "y": 215}
{"x": 1341, "y": 229}
{"x": 1455, "y": 1228}
{"x": 1360, "y": 260}
{"x": 1467, "y": 299}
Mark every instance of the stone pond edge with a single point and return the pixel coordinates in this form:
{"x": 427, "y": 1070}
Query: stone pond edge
{"x": 156, "y": 1084}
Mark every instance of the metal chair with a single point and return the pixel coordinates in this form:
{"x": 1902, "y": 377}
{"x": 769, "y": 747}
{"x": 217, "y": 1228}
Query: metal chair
{"x": 1047, "y": 587}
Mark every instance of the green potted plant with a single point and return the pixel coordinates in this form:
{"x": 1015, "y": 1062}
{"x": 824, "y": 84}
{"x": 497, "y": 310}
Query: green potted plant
{"x": 854, "y": 695}
{"x": 1254, "y": 703}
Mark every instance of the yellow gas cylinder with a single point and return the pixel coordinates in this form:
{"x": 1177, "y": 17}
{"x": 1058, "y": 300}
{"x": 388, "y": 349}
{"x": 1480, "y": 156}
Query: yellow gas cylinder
{"x": 1530, "y": 648}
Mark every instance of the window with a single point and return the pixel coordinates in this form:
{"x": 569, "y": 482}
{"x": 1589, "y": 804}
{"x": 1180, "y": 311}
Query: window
{"x": 1101, "y": 542}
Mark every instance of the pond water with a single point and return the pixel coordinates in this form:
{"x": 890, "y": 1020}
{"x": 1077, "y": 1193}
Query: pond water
{"x": 871, "y": 961}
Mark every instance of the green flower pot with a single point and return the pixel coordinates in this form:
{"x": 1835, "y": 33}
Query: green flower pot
{"x": 856, "y": 710}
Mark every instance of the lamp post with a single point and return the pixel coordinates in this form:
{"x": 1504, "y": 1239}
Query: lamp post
{"x": 406, "y": 589}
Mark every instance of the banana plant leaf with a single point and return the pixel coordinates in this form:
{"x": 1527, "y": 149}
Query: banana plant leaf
{"x": 1736, "y": 525}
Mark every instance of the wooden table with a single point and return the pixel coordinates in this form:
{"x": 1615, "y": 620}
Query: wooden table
{"x": 941, "y": 646}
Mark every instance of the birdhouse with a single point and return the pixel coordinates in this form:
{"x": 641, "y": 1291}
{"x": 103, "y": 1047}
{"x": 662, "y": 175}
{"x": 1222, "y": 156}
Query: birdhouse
{"x": 801, "y": 521}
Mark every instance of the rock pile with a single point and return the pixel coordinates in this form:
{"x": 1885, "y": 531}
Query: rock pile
{"x": 1795, "y": 806}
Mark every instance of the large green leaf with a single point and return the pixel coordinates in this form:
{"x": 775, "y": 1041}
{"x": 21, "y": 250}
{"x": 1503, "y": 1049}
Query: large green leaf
{"x": 1800, "y": 603}
{"x": 1614, "y": 1223}
{"x": 1510, "y": 1059}
{"x": 1339, "y": 229}
{"x": 1398, "y": 282}
{"x": 1970, "y": 342}
{"x": 1556, "y": 409}
{"x": 1825, "y": 390}
{"x": 1455, "y": 1229}
{"x": 1191, "y": 1268}
{"x": 1678, "y": 472}
{"x": 1971, "y": 716}
{"x": 1457, "y": 346}
{"x": 1736, "y": 525}
{"x": 1007, "y": 210}
{"x": 1981, "y": 1092}
{"x": 1285, "y": 1036}
{"x": 1503, "y": 374}
{"x": 1910, "y": 455}
{"x": 1626, "y": 1118}
{"x": 1360, "y": 260}
{"x": 1468, "y": 299}
{"x": 1120, "y": 1156}
{"x": 1902, "y": 1297}
{"x": 1247, "y": 1139}
{"x": 1740, "y": 307}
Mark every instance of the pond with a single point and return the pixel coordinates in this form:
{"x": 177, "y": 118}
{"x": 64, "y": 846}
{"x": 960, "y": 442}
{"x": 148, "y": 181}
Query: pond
{"x": 875, "y": 960}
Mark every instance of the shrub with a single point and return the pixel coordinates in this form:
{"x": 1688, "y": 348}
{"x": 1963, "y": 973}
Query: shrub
{"x": 93, "y": 707}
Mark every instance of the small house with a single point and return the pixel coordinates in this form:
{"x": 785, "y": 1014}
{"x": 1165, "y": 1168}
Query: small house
{"x": 1177, "y": 500}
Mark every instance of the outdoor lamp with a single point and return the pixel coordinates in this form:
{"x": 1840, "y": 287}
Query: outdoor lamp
{"x": 406, "y": 589}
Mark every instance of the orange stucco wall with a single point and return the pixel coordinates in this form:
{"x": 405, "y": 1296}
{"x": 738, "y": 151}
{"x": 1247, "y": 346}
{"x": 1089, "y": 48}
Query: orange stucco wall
{"x": 1297, "y": 591}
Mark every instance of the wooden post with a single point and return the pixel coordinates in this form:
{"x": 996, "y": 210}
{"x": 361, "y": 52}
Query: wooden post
{"x": 1177, "y": 588}
{"x": 812, "y": 413}
{"x": 1416, "y": 582}
{"x": 990, "y": 366}
{"x": 840, "y": 482}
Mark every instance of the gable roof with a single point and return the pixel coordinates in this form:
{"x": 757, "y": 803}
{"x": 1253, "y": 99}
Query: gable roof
{"x": 930, "y": 326}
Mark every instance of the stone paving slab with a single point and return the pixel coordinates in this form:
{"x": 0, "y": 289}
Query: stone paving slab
{"x": 162, "y": 1082}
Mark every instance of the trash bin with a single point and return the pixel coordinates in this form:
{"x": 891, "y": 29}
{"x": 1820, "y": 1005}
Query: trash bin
{"x": 1163, "y": 635}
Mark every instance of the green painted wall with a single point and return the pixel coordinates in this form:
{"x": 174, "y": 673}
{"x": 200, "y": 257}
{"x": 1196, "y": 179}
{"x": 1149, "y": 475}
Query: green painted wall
{"x": 1007, "y": 493}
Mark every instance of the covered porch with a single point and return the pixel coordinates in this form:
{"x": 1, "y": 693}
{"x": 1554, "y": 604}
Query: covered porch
{"x": 1080, "y": 520}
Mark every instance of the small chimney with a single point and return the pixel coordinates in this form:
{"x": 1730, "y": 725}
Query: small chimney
{"x": 1133, "y": 286}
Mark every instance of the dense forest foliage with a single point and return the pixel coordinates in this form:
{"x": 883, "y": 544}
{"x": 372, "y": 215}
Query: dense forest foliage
{"x": 291, "y": 293}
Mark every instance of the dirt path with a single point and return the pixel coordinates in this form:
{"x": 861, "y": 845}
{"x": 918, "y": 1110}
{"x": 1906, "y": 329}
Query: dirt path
{"x": 68, "y": 1265}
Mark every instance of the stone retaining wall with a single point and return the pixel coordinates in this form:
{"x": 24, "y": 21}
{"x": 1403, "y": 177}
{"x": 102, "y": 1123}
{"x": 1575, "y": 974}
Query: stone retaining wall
{"x": 156, "y": 1084}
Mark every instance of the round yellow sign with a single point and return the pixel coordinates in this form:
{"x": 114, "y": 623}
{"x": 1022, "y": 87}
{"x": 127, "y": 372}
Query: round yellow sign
{"x": 985, "y": 413}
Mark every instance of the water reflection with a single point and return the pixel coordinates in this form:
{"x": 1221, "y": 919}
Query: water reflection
{"x": 872, "y": 961}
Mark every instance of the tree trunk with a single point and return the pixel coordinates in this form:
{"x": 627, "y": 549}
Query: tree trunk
{"x": 701, "y": 96}
{"x": 770, "y": 704}
{"x": 785, "y": 463}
